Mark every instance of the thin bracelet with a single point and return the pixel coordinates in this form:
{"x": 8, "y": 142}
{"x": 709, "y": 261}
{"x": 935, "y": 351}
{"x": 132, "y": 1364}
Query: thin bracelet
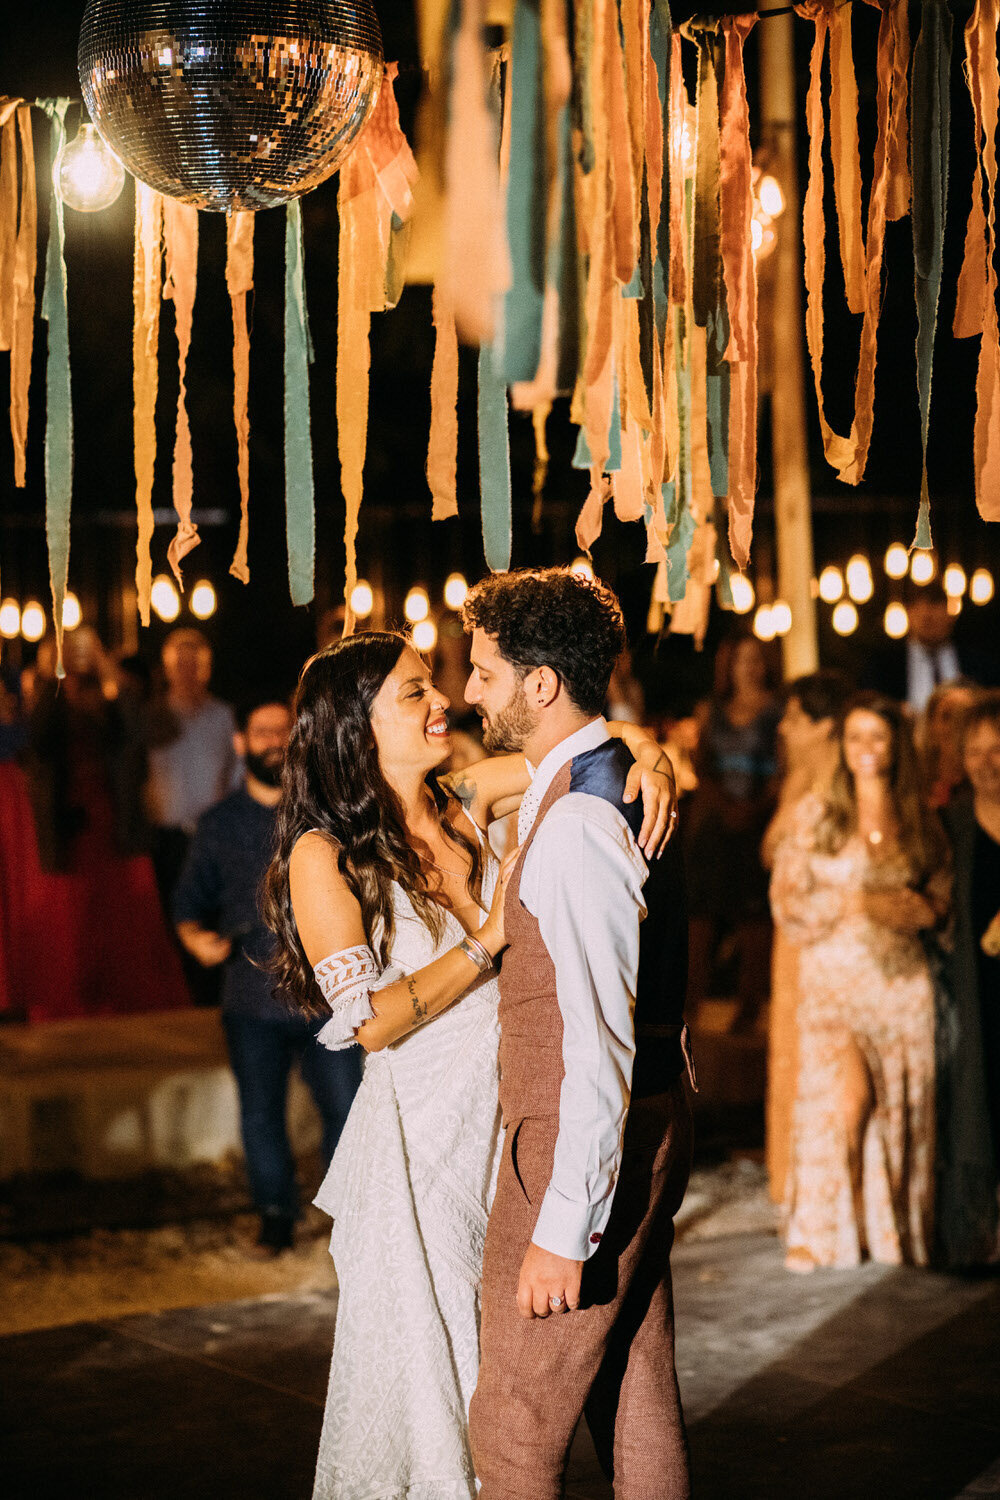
{"x": 474, "y": 949}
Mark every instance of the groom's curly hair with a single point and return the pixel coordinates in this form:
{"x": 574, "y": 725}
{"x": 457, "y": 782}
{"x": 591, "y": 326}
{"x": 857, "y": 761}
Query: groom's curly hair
{"x": 550, "y": 617}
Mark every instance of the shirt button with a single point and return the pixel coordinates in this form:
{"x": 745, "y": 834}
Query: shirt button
{"x": 595, "y": 1239}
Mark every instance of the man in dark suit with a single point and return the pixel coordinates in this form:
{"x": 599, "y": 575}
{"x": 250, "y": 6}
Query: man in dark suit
{"x": 928, "y": 656}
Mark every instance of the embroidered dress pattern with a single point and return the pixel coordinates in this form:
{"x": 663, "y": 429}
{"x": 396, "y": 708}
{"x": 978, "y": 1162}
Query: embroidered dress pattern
{"x": 346, "y": 980}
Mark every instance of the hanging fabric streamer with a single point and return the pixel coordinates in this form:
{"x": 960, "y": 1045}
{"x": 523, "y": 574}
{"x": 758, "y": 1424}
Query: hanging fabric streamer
{"x": 374, "y": 202}
{"x": 494, "y": 462}
{"x": 58, "y": 403}
{"x": 180, "y": 243}
{"x": 239, "y": 282}
{"x": 976, "y": 306}
{"x": 18, "y": 256}
{"x": 527, "y": 195}
{"x": 898, "y": 131}
{"x": 931, "y": 131}
{"x": 300, "y": 517}
{"x": 846, "y": 156}
{"x": 147, "y": 273}
{"x": 442, "y": 445}
{"x": 707, "y": 266}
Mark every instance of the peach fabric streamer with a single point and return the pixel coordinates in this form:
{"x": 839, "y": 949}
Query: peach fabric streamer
{"x": 18, "y": 261}
{"x": 376, "y": 187}
{"x": 846, "y": 157}
{"x": 740, "y": 275}
{"x": 180, "y": 242}
{"x": 898, "y": 144}
{"x": 239, "y": 282}
{"x": 148, "y": 270}
{"x": 442, "y": 446}
{"x": 976, "y": 307}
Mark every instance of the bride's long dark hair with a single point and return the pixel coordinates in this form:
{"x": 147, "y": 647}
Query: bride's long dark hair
{"x": 333, "y": 783}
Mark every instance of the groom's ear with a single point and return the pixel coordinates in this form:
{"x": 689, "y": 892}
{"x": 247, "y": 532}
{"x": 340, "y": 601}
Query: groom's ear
{"x": 542, "y": 686}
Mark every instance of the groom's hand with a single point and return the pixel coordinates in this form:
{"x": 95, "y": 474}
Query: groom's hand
{"x": 545, "y": 1276}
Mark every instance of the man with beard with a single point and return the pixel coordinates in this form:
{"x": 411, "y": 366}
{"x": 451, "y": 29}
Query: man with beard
{"x": 215, "y": 907}
{"x": 577, "y": 1314}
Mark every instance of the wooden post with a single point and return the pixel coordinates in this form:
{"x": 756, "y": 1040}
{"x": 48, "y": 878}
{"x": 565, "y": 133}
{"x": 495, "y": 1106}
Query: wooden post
{"x": 792, "y": 517}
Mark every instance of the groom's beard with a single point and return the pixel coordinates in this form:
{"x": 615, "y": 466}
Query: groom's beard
{"x": 510, "y": 728}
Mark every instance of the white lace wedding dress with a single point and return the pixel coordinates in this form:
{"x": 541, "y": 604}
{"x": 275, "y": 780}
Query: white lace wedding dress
{"x": 407, "y": 1191}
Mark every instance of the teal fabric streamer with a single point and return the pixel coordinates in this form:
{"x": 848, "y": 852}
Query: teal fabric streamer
{"x": 494, "y": 462}
{"x": 581, "y": 455}
{"x": 58, "y": 397}
{"x": 677, "y": 498}
{"x": 300, "y": 512}
{"x": 717, "y": 389}
{"x": 564, "y": 272}
{"x": 930, "y": 116}
{"x": 526, "y": 202}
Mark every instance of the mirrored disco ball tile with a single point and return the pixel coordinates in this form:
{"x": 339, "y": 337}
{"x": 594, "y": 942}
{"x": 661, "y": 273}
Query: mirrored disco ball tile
{"x": 230, "y": 105}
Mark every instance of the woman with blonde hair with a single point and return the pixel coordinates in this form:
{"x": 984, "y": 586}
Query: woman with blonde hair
{"x": 860, "y": 881}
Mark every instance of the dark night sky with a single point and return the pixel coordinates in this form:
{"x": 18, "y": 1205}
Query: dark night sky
{"x": 397, "y": 542}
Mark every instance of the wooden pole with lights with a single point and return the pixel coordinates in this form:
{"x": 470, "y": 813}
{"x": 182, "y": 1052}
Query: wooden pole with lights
{"x": 792, "y": 516}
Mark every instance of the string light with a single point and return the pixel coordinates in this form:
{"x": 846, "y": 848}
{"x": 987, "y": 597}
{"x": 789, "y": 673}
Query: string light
{"x": 203, "y": 600}
{"x": 772, "y": 199}
{"x": 922, "y": 567}
{"x": 165, "y": 599}
{"x": 87, "y": 175}
{"x": 954, "y": 604}
{"x": 742, "y": 592}
{"x": 582, "y": 567}
{"x": 456, "y": 591}
{"x": 424, "y": 635}
{"x": 781, "y": 617}
{"x": 32, "y": 621}
{"x": 362, "y": 599}
{"x": 10, "y": 619}
{"x": 896, "y": 621}
{"x": 860, "y": 584}
{"x": 897, "y": 561}
{"x": 845, "y": 618}
{"x": 981, "y": 587}
{"x": 72, "y": 614}
{"x": 955, "y": 582}
{"x": 831, "y": 585}
{"x": 763, "y": 623}
{"x": 416, "y": 606}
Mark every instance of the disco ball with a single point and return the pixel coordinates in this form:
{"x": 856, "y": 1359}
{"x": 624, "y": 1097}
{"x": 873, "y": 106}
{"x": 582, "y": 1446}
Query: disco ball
{"x": 230, "y": 104}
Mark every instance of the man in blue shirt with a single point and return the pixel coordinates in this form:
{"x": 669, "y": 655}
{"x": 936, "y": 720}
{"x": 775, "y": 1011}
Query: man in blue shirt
{"x": 215, "y": 907}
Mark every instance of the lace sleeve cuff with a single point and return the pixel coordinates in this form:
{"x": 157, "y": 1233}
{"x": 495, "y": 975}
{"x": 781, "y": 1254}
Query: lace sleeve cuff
{"x": 346, "y": 979}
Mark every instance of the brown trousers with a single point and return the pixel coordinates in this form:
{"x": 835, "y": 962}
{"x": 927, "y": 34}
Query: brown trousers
{"x": 613, "y": 1359}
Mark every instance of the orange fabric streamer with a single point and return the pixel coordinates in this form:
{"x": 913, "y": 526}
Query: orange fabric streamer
{"x": 976, "y": 306}
{"x": 239, "y": 282}
{"x": 376, "y": 186}
{"x": 18, "y": 261}
{"x": 148, "y": 267}
{"x": 180, "y": 240}
{"x": 740, "y": 275}
{"x": 898, "y": 143}
{"x": 442, "y": 446}
{"x": 846, "y": 157}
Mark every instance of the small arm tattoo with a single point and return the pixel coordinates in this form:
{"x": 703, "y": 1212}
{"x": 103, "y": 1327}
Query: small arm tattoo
{"x": 419, "y": 1008}
{"x": 460, "y": 786}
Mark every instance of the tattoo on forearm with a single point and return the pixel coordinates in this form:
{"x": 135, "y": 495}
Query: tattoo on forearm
{"x": 419, "y": 1008}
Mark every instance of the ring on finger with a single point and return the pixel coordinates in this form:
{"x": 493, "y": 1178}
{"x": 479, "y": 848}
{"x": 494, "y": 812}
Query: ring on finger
{"x": 555, "y": 1303}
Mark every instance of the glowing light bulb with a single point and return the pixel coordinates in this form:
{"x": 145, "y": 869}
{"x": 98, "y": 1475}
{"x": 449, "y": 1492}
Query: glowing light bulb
{"x": 981, "y": 587}
{"x": 896, "y": 621}
{"x": 770, "y": 196}
{"x": 203, "y": 600}
{"x": 897, "y": 561}
{"x": 743, "y": 594}
{"x": 763, "y": 623}
{"x": 424, "y": 635}
{"x": 362, "y": 599}
{"x": 831, "y": 585}
{"x": 87, "y": 174}
{"x": 921, "y": 567}
{"x": 781, "y": 617}
{"x": 756, "y": 234}
{"x": 954, "y": 580}
{"x": 456, "y": 591}
{"x": 860, "y": 584}
{"x": 32, "y": 621}
{"x": 845, "y": 618}
{"x": 768, "y": 241}
{"x": 954, "y": 604}
{"x": 10, "y": 619}
{"x": 416, "y": 606}
{"x": 72, "y": 614}
{"x": 582, "y": 567}
{"x": 689, "y": 136}
{"x": 165, "y": 599}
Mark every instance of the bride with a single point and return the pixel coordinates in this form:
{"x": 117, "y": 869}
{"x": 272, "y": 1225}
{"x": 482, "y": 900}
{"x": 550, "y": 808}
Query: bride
{"x": 387, "y": 906}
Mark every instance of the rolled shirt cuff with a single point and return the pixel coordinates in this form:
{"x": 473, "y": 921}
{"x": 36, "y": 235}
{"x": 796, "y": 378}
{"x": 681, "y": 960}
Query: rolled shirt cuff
{"x": 570, "y": 1229}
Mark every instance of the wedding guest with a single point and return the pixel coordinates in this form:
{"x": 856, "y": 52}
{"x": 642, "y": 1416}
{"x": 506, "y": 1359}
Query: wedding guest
{"x": 969, "y": 1096}
{"x": 860, "y": 879}
{"x": 215, "y": 907}
{"x": 929, "y": 656}
{"x": 938, "y": 739}
{"x": 809, "y": 749}
{"x": 737, "y": 780}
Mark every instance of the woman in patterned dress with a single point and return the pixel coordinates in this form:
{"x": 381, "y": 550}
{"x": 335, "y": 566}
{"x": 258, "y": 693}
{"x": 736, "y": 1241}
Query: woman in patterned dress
{"x": 861, "y": 876}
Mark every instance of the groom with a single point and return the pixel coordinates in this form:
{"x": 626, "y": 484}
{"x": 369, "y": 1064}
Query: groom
{"x": 577, "y": 1306}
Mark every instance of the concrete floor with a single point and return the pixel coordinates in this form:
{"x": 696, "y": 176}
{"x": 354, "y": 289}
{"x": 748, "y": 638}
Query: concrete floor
{"x": 870, "y": 1385}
